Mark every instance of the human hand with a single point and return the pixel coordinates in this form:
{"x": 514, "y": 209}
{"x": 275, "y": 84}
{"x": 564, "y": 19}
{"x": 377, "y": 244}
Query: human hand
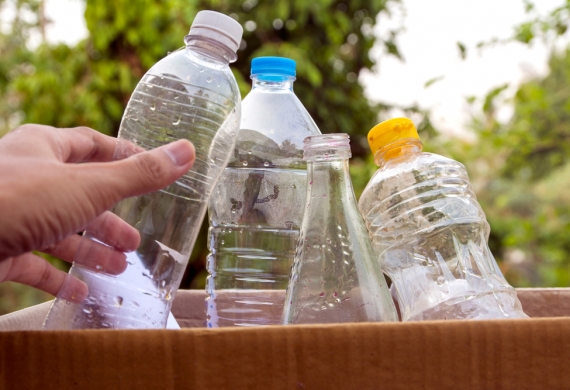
{"x": 46, "y": 197}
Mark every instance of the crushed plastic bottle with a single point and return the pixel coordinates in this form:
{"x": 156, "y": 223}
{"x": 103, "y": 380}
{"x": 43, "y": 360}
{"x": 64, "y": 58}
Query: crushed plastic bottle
{"x": 257, "y": 206}
{"x": 335, "y": 276}
{"x": 429, "y": 232}
{"x": 191, "y": 94}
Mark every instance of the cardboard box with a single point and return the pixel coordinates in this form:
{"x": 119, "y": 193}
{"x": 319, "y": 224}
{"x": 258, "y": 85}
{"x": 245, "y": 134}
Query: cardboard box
{"x": 507, "y": 354}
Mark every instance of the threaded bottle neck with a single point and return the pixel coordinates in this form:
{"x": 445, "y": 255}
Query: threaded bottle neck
{"x": 396, "y": 149}
{"x": 272, "y": 82}
{"x": 210, "y": 48}
{"x": 327, "y": 147}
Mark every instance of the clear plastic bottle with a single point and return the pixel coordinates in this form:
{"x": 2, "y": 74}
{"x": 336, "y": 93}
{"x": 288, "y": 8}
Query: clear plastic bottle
{"x": 430, "y": 233}
{"x": 191, "y": 94}
{"x": 257, "y": 206}
{"x": 335, "y": 276}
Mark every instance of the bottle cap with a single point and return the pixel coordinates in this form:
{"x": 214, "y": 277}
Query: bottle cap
{"x": 219, "y": 27}
{"x": 278, "y": 66}
{"x": 389, "y": 131}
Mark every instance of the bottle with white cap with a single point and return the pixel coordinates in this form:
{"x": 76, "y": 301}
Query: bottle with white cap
{"x": 190, "y": 94}
{"x": 257, "y": 207}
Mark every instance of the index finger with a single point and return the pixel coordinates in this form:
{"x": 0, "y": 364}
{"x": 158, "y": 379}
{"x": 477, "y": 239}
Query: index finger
{"x": 83, "y": 144}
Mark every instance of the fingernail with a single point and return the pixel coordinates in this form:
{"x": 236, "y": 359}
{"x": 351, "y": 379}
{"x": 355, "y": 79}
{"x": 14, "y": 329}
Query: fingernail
{"x": 181, "y": 152}
{"x": 73, "y": 290}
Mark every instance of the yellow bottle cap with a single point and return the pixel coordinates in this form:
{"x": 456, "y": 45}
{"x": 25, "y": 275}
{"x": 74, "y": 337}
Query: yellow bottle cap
{"x": 389, "y": 131}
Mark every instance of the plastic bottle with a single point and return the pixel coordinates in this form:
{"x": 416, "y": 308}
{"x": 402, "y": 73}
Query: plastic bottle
{"x": 429, "y": 232}
{"x": 257, "y": 206}
{"x": 189, "y": 94}
{"x": 335, "y": 276}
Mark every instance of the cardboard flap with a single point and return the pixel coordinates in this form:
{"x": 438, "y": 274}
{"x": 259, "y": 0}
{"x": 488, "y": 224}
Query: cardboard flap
{"x": 510, "y": 354}
{"x": 188, "y": 308}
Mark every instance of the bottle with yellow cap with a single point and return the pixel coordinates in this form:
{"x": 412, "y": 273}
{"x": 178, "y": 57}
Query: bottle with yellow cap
{"x": 429, "y": 232}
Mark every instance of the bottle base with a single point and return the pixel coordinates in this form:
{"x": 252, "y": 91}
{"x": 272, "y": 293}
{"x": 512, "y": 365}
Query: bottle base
{"x": 489, "y": 306}
{"x": 244, "y": 308}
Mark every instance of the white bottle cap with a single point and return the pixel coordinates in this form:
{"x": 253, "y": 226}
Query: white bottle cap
{"x": 219, "y": 27}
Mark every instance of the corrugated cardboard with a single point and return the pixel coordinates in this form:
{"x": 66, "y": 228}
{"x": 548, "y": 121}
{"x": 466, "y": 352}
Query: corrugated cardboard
{"x": 508, "y": 354}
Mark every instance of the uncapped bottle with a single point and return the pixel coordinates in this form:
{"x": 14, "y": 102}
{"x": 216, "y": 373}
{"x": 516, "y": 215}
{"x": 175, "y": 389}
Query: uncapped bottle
{"x": 335, "y": 276}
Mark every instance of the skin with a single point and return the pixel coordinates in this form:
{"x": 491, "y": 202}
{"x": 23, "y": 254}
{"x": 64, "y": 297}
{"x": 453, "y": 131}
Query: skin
{"x": 57, "y": 182}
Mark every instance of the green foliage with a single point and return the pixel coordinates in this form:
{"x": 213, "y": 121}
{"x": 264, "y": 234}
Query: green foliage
{"x": 330, "y": 41}
{"x": 541, "y": 124}
{"x": 90, "y": 84}
{"x": 547, "y": 28}
{"x": 432, "y": 81}
{"x": 462, "y": 50}
{"x": 521, "y": 173}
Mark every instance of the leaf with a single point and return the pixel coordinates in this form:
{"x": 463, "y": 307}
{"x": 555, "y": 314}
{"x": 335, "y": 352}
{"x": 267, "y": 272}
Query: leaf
{"x": 491, "y": 96}
{"x": 524, "y": 32}
{"x": 392, "y": 48}
{"x": 432, "y": 81}
{"x": 462, "y": 50}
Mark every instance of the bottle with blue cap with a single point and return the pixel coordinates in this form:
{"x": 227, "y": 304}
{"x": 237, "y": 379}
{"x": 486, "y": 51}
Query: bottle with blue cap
{"x": 190, "y": 94}
{"x": 256, "y": 209}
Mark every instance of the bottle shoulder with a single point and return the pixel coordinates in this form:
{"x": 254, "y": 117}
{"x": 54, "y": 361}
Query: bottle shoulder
{"x": 410, "y": 170}
{"x": 272, "y": 130}
{"x": 278, "y": 115}
{"x": 418, "y": 164}
{"x": 416, "y": 196}
{"x": 185, "y": 68}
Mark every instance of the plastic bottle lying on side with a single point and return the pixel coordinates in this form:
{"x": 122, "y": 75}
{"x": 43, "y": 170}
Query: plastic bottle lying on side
{"x": 429, "y": 232}
{"x": 257, "y": 206}
{"x": 335, "y": 277}
{"x": 191, "y": 94}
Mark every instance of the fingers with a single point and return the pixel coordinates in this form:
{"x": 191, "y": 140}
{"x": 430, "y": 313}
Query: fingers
{"x": 37, "y": 272}
{"x": 82, "y": 144}
{"x": 89, "y": 254}
{"x": 79, "y": 144}
{"x": 115, "y": 232}
{"x": 136, "y": 175}
{"x": 117, "y": 236}
{"x": 66, "y": 145}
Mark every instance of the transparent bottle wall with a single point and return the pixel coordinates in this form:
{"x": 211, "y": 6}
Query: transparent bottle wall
{"x": 257, "y": 208}
{"x": 191, "y": 94}
{"x": 430, "y": 236}
{"x": 335, "y": 277}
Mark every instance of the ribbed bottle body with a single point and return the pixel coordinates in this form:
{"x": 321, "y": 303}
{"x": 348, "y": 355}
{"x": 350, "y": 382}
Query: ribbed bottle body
{"x": 187, "y": 95}
{"x": 430, "y": 236}
{"x": 257, "y": 208}
{"x": 335, "y": 277}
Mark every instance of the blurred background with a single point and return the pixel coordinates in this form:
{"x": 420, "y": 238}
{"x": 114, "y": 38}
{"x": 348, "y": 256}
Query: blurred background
{"x": 486, "y": 82}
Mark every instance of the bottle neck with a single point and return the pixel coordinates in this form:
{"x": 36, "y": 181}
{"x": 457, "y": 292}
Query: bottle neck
{"x": 329, "y": 181}
{"x": 396, "y": 149}
{"x": 326, "y": 148}
{"x": 272, "y": 83}
{"x": 327, "y": 168}
{"x": 210, "y": 49}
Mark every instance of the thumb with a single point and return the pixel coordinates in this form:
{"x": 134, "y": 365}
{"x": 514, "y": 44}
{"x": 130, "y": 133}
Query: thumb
{"x": 136, "y": 175}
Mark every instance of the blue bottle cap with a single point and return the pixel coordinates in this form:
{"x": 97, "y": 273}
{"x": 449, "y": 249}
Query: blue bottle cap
{"x": 274, "y": 66}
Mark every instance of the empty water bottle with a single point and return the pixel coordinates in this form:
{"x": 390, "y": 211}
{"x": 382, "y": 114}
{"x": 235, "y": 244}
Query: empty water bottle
{"x": 335, "y": 276}
{"x": 191, "y": 94}
{"x": 257, "y": 206}
{"x": 429, "y": 232}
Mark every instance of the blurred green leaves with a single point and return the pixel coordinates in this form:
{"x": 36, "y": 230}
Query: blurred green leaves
{"x": 521, "y": 173}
